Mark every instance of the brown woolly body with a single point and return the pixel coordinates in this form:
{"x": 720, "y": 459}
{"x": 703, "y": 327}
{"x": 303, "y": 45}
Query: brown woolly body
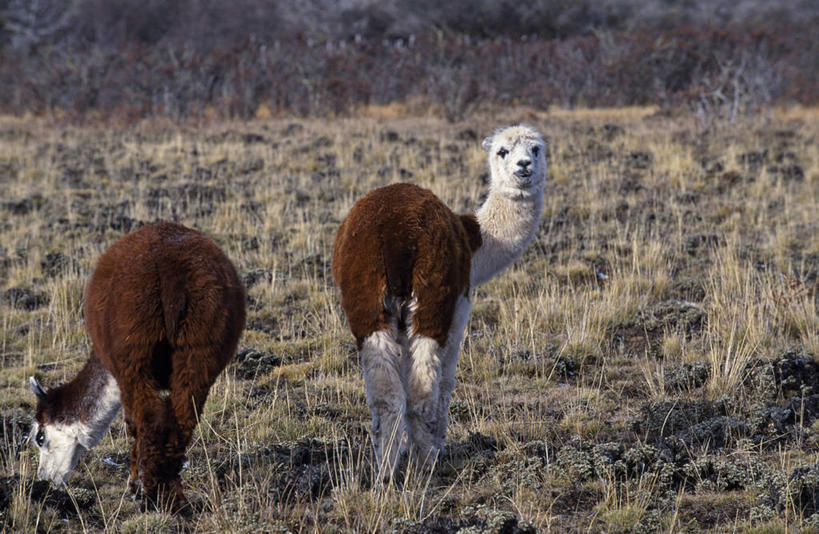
{"x": 164, "y": 309}
{"x": 400, "y": 242}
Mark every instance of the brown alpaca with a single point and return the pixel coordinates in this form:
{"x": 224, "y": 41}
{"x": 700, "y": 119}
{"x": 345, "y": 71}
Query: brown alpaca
{"x": 164, "y": 309}
{"x": 406, "y": 265}
{"x": 402, "y": 262}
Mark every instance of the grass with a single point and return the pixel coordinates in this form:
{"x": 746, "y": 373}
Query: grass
{"x": 648, "y": 365}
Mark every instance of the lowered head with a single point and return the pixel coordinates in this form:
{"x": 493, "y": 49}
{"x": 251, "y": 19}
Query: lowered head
{"x": 71, "y": 419}
{"x": 59, "y": 437}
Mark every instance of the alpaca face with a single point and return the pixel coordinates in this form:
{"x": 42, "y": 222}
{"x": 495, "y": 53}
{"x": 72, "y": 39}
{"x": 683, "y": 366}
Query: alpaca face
{"x": 517, "y": 161}
{"x": 60, "y": 449}
{"x": 62, "y": 439}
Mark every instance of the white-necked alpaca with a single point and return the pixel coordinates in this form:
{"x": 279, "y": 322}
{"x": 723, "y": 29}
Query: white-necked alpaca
{"x": 164, "y": 309}
{"x": 406, "y": 265}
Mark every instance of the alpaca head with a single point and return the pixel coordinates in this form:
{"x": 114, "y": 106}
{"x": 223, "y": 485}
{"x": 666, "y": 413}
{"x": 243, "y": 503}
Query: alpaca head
{"x": 517, "y": 161}
{"x": 60, "y": 438}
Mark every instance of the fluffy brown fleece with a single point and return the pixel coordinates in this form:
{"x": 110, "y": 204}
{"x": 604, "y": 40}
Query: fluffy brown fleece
{"x": 401, "y": 242}
{"x": 164, "y": 309}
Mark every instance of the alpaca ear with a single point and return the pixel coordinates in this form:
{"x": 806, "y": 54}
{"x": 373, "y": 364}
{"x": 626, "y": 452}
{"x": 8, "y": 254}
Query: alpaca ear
{"x": 487, "y": 144}
{"x": 38, "y": 389}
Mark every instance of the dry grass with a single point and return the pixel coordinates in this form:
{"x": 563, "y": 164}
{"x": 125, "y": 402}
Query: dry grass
{"x": 625, "y": 372}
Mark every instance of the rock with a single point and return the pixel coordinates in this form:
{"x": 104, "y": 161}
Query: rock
{"x": 687, "y": 376}
{"x": 56, "y": 264}
{"x": 639, "y": 159}
{"x": 611, "y": 131}
{"x": 252, "y": 363}
{"x": 252, "y": 138}
{"x": 694, "y": 242}
{"x": 673, "y": 314}
{"x": 251, "y": 278}
{"x": 753, "y": 160}
{"x": 789, "y": 173}
{"x": 26, "y": 205}
{"x": 467, "y": 135}
{"x": 669, "y": 417}
{"x": 23, "y": 299}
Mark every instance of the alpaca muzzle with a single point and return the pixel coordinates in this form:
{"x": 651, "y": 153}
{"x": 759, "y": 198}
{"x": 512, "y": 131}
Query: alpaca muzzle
{"x": 524, "y": 177}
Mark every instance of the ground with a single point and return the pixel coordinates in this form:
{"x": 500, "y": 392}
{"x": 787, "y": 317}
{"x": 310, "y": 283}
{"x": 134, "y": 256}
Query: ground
{"x": 648, "y": 365}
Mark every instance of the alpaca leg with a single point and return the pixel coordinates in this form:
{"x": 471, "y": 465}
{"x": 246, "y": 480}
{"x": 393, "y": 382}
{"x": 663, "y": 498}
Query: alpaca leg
{"x": 190, "y": 384}
{"x": 131, "y": 431}
{"x": 143, "y": 410}
{"x": 448, "y": 365}
{"x": 157, "y": 429}
{"x": 152, "y": 432}
{"x": 150, "y": 419}
{"x": 381, "y": 357}
{"x": 423, "y": 390}
{"x": 148, "y": 413}
{"x": 450, "y": 362}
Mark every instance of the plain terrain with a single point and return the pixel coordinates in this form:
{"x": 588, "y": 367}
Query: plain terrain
{"x": 648, "y": 365}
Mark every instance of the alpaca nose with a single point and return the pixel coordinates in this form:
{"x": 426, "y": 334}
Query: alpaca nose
{"x": 524, "y": 162}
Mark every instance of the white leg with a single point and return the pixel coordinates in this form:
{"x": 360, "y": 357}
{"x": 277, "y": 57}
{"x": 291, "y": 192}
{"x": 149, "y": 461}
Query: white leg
{"x": 381, "y": 357}
{"x": 423, "y": 390}
{"x": 449, "y": 363}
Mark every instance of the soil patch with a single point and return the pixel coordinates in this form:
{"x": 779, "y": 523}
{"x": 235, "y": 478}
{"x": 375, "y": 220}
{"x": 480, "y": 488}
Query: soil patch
{"x": 22, "y": 298}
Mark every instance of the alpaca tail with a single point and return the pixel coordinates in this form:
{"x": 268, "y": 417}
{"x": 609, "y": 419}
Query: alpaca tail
{"x": 174, "y": 303}
{"x": 398, "y": 265}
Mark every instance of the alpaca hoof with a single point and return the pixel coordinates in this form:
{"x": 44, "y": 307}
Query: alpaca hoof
{"x": 136, "y": 487}
{"x": 167, "y": 497}
{"x": 178, "y": 502}
{"x": 181, "y": 506}
{"x": 425, "y": 458}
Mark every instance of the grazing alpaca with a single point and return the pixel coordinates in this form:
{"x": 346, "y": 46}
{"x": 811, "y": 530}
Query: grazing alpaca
{"x": 405, "y": 264}
{"x": 164, "y": 309}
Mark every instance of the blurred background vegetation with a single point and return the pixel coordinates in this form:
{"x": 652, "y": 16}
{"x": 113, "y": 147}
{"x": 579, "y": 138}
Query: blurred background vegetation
{"x": 193, "y": 58}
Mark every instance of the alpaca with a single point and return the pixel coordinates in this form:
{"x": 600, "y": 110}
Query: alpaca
{"x": 164, "y": 309}
{"x": 406, "y": 266}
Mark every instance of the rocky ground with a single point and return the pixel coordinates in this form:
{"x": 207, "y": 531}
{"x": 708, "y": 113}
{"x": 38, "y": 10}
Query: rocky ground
{"x": 648, "y": 365}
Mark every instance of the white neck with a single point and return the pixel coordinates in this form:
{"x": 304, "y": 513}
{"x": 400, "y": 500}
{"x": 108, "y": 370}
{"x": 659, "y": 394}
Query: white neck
{"x": 508, "y": 224}
{"x": 108, "y": 405}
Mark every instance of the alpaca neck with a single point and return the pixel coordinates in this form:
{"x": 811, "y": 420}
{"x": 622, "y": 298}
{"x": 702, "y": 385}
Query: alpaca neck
{"x": 92, "y": 400}
{"x": 508, "y": 224}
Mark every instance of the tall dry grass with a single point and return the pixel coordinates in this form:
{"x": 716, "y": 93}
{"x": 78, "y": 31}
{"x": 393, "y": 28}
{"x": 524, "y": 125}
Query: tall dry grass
{"x": 647, "y": 259}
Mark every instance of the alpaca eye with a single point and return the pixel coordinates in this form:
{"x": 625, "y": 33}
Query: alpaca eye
{"x": 39, "y": 439}
{"x": 535, "y": 150}
{"x": 502, "y": 152}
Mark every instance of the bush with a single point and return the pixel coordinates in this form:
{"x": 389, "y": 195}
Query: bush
{"x": 179, "y": 59}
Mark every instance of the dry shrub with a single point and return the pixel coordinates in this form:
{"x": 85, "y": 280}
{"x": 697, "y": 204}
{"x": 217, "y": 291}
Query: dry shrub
{"x": 717, "y": 72}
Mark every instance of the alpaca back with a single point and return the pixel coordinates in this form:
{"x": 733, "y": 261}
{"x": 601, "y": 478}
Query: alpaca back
{"x": 168, "y": 285}
{"x": 399, "y": 244}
